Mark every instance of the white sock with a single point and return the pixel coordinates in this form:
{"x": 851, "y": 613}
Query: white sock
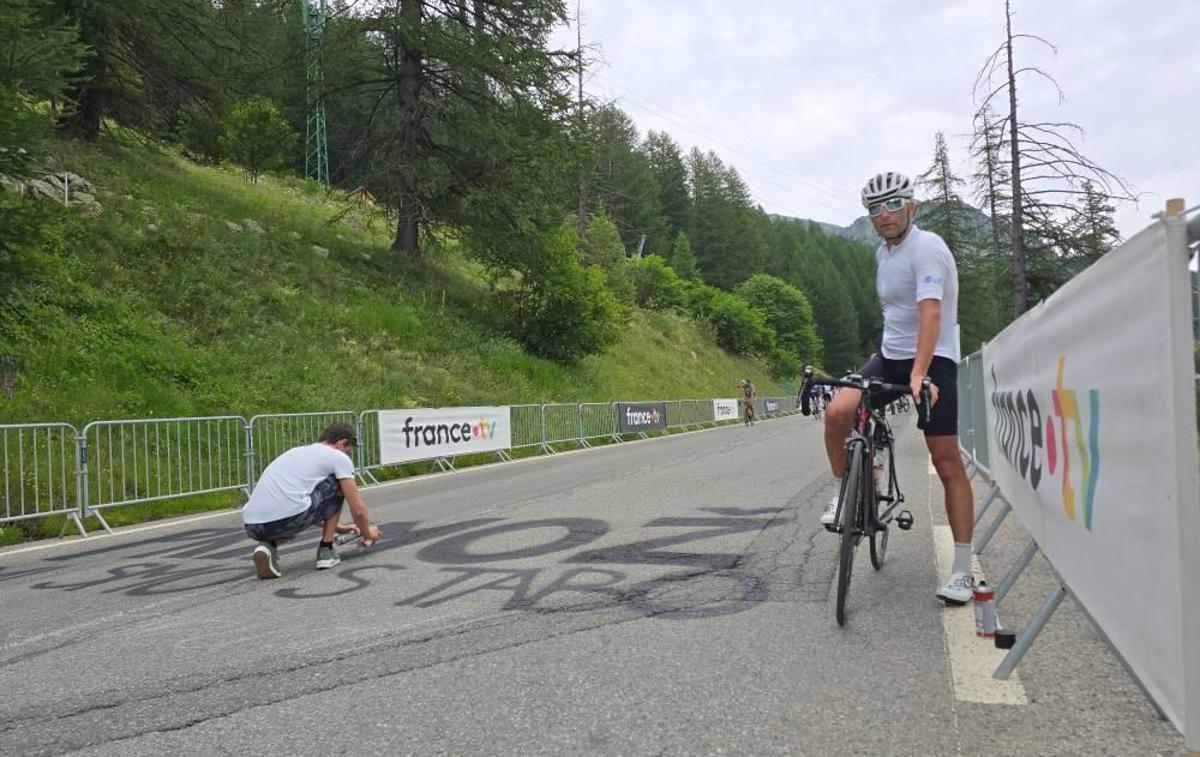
{"x": 837, "y": 486}
{"x": 962, "y": 558}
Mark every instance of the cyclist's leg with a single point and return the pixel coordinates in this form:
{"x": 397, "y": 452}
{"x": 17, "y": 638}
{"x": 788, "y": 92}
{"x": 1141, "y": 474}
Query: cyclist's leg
{"x": 941, "y": 437}
{"x": 839, "y": 417}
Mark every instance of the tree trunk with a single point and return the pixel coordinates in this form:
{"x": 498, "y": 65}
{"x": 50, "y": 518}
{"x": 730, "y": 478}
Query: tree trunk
{"x": 409, "y": 79}
{"x": 1020, "y": 281}
{"x": 84, "y": 119}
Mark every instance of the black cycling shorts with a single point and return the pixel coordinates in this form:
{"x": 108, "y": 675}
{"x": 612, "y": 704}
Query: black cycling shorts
{"x": 943, "y": 421}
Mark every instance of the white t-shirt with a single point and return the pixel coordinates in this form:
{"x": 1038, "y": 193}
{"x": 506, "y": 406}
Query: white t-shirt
{"x": 283, "y": 489}
{"x": 919, "y": 268}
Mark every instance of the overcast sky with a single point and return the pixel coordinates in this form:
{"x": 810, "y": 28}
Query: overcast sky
{"x": 807, "y": 99}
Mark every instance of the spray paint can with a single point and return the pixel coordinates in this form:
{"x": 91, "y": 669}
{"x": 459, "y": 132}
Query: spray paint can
{"x": 985, "y": 610}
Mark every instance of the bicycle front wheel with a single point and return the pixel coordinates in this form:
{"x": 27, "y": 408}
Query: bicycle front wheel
{"x": 848, "y": 508}
{"x": 879, "y": 536}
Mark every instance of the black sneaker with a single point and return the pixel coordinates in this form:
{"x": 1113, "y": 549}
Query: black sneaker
{"x": 327, "y": 557}
{"x": 266, "y": 560}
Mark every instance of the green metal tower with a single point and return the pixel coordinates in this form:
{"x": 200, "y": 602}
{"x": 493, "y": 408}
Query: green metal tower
{"x": 316, "y": 149}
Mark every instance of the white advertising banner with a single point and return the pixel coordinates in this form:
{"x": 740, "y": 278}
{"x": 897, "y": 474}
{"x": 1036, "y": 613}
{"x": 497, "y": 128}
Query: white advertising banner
{"x": 725, "y": 410}
{"x": 1090, "y": 420}
{"x": 426, "y": 433}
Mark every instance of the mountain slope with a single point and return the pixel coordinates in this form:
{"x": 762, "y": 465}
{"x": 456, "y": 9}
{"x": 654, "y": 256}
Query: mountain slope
{"x": 861, "y": 230}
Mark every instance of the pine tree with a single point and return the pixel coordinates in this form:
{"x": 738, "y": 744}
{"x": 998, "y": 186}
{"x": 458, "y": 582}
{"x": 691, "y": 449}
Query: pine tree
{"x": 682, "y": 259}
{"x": 603, "y": 248}
{"x": 1093, "y": 231}
{"x": 667, "y": 165}
{"x": 943, "y": 211}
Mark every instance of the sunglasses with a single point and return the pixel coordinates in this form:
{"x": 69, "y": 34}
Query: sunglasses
{"x": 894, "y": 205}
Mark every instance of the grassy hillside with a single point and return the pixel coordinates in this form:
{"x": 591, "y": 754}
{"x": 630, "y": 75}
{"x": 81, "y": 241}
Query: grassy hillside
{"x": 193, "y": 292}
{"x": 160, "y": 306}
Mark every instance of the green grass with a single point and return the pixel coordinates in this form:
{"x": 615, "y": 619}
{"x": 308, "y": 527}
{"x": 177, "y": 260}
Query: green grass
{"x": 157, "y": 308}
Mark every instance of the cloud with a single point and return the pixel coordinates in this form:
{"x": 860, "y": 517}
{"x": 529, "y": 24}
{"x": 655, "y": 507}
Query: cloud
{"x": 807, "y": 99}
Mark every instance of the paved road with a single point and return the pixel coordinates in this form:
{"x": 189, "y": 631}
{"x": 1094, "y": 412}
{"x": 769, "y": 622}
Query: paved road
{"x": 668, "y": 597}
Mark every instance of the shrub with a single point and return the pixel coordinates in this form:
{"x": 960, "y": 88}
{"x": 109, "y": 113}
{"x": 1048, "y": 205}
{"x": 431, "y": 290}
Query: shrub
{"x": 788, "y": 313}
{"x": 655, "y": 284}
{"x": 700, "y": 298}
{"x": 560, "y": 310}
{"x": 256, "y": 137}
{"x": 739, "y": 327}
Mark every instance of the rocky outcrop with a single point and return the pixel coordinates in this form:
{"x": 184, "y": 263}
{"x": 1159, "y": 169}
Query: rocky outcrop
{"x": 60, "y": 186}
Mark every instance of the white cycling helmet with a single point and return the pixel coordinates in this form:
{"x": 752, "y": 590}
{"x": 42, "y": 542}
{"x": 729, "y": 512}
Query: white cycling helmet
{"x": 885, "y": 186}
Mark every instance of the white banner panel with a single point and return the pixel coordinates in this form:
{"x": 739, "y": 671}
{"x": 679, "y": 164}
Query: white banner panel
{"x": 1086, "y": 446}
{"x": 425, "y": 433}
{"x": 725, "y": 410}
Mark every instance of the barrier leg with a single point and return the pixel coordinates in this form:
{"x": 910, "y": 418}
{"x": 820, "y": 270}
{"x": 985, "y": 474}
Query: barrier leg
{"x": 98, "y": 516}
{"x": 1030, "y": 632}
{"x": 73, "y": 518}
{"x": 1015, "y": 571}
{"x": 982, "y": 543}
{"x": 987, "y": 502}
{"x": 1162, "y": 715}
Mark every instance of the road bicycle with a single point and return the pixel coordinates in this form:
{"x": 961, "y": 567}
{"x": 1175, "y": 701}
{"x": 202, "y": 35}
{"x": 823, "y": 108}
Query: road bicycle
{"x": 869, "y": 500}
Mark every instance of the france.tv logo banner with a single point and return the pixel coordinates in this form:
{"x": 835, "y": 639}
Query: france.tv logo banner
{"x": 427, "y": 433}
{"x": 1051, "y": 434}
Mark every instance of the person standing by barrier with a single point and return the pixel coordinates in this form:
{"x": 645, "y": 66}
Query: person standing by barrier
{"x": 749, "y": 394}
{"x": 917, "y": 282}
{"x": 307, "y": 486}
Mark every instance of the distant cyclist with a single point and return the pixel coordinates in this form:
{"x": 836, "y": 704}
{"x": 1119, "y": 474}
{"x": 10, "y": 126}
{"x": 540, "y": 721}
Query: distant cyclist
{"x": 816, "y": 400}
{"x": 917, "y": 281}
{"x": 749, "y": 394}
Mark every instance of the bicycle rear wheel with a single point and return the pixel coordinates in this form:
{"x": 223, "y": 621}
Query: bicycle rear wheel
{"x": 849, "y": 510}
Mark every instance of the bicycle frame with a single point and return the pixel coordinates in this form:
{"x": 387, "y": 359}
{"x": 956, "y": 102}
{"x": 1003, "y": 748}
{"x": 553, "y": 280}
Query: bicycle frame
{"x": 872, "y": 433}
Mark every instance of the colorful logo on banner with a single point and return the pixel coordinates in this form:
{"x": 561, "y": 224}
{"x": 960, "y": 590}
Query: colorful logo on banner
{"x": 1033, "y": 444}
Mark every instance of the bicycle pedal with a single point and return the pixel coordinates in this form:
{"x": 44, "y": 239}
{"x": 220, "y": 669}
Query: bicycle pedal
{"x": 904, "y": 520}
{"x": 832, "y": 528}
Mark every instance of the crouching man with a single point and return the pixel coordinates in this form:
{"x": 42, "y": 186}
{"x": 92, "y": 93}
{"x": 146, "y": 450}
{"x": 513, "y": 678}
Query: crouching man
{"x": 307, "y": 486}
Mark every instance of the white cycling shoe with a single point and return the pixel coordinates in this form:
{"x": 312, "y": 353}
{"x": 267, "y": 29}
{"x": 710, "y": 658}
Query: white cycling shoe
{"x": 958, "y": 590}
{"x": 829, "y": 516}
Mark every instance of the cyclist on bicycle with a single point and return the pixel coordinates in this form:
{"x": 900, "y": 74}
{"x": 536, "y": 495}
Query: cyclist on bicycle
{"x": 749, "y": 394}
{"x": 815, "y": 399}
{"x": 917, "y": 282}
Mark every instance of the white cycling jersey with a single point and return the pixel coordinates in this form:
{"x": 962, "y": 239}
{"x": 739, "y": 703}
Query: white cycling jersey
{"x": 919, "y": 268}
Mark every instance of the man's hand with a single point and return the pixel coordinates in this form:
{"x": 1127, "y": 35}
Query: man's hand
{"x": 372, "y": 535}
{"x": 914, "y": 384}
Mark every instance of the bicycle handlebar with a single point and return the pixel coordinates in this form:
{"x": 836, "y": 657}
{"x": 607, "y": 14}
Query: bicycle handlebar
{"x": 869, "y": 386}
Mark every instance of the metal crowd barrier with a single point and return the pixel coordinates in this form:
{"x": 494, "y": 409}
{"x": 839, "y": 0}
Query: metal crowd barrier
{"x": 560, "y": 423}
{"x": 41, "y": 471}
{"x": 597, "y": 420}
{"x": 272, "y": 435}
{"x": 131, "y": 461}
{"x": 526, "y": 426}
{"x": 52, "y": 469}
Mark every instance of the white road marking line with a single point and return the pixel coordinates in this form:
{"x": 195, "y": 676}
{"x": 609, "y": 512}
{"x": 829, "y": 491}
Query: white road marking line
{"x": 972, "y": 659}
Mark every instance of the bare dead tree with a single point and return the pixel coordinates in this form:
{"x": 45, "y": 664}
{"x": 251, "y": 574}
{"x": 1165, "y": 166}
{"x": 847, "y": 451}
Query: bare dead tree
{"x": 1039, "y": 160}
